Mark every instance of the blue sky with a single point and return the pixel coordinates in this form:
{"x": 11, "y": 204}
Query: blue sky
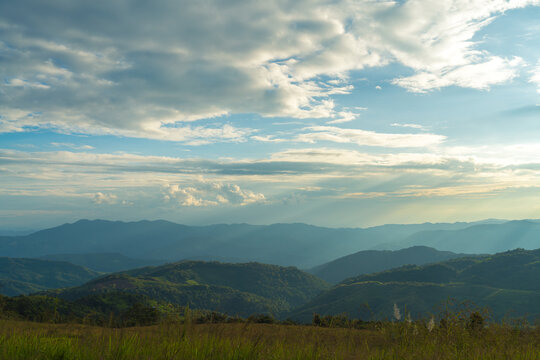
{"x": 336, "y": 113}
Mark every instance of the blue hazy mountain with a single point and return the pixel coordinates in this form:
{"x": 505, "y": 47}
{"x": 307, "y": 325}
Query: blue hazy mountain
{"x": 300, "y": 245}
{"x": 479, "y": 238}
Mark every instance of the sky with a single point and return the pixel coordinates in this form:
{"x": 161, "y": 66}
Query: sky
{"x": 336, "y": 113}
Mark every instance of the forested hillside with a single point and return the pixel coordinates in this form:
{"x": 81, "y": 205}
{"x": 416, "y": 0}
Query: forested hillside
{"x": 235, "y": 289}
{"x": 507, "y": 283}
{"x": 370, "y": 261}
{"x": 25, "y": 276}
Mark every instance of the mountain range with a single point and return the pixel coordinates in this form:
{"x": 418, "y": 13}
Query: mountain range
{"x": 141, "y": 259}
{"x": 478, "y": 238}
{"x": 301, "y": 245}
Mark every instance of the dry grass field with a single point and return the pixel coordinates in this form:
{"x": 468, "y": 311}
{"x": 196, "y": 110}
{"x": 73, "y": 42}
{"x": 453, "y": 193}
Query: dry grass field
{"x": 170, "y": 340}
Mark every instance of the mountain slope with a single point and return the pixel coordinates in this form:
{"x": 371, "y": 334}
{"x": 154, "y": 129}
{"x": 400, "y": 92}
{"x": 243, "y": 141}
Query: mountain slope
{"x": 370, "y": 261}
{"x": 236, "y": 289}
{"x": 299, "y": 245}
{"x": 507, "y": 283}
{"x": 103, "y": 262}
{"x": 24, "y": 276}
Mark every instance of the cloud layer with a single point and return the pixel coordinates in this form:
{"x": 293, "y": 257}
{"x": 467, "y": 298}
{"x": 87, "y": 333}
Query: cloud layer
{"x": 89, "y": 68}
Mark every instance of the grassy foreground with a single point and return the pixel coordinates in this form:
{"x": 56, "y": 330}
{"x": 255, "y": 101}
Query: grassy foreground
{"x": 27, "y": 340}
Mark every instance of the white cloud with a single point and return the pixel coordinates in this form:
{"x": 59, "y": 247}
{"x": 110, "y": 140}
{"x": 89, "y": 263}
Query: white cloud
{"x": 435, "y": 38}
{"x": 481, "y": 76}
{"x": 268, "y": 138}
{"x": 102, "y": 198}
{"x": 343, "y": 117}
{"x": 412, "y": 126}
{"x": 72, "y": 146}
{"x": 203, "y": 193}
{"x": 173, "y": 63}
{"x": 368, "y": 138}
{"x": 25, "y": 83}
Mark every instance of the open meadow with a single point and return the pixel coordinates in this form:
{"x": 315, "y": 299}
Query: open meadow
{"x": 170, "y": 340}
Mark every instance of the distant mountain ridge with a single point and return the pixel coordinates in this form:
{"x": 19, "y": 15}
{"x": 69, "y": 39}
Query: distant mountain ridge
{"x": 507, "y": 283}
{"x": 300, "y": 245}
{"x": 479, "y": 238}
{"x": 371, "y": 261}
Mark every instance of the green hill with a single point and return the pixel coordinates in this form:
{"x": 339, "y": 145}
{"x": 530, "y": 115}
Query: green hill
{"x": 507, "y": 283}
{"x": 370, "y": 261}
{"x": 24, "y": 276}
{"x": 235, "y": 289}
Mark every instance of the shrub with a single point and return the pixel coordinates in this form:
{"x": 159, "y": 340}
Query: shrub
{"x": 140, "y": 315}
{"x": 262, "y": 319}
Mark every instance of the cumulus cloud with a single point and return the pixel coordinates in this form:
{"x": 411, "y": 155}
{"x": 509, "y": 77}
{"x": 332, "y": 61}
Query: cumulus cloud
{"x": 90, "y": 68}
{"x": 103, "y": 198}
{"x": 203, "y": 193}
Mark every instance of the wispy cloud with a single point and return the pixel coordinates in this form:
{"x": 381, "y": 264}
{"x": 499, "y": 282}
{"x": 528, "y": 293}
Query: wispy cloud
{"x": 481, "y": 76}
{"x": 368, "y": 138}
{"x": 72, "y": 146}
{"x": 268, "y": 138}
{"x": 412, "y": 126}
{"x": 343, "y": 117}
{"x": 24, "y": 83}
